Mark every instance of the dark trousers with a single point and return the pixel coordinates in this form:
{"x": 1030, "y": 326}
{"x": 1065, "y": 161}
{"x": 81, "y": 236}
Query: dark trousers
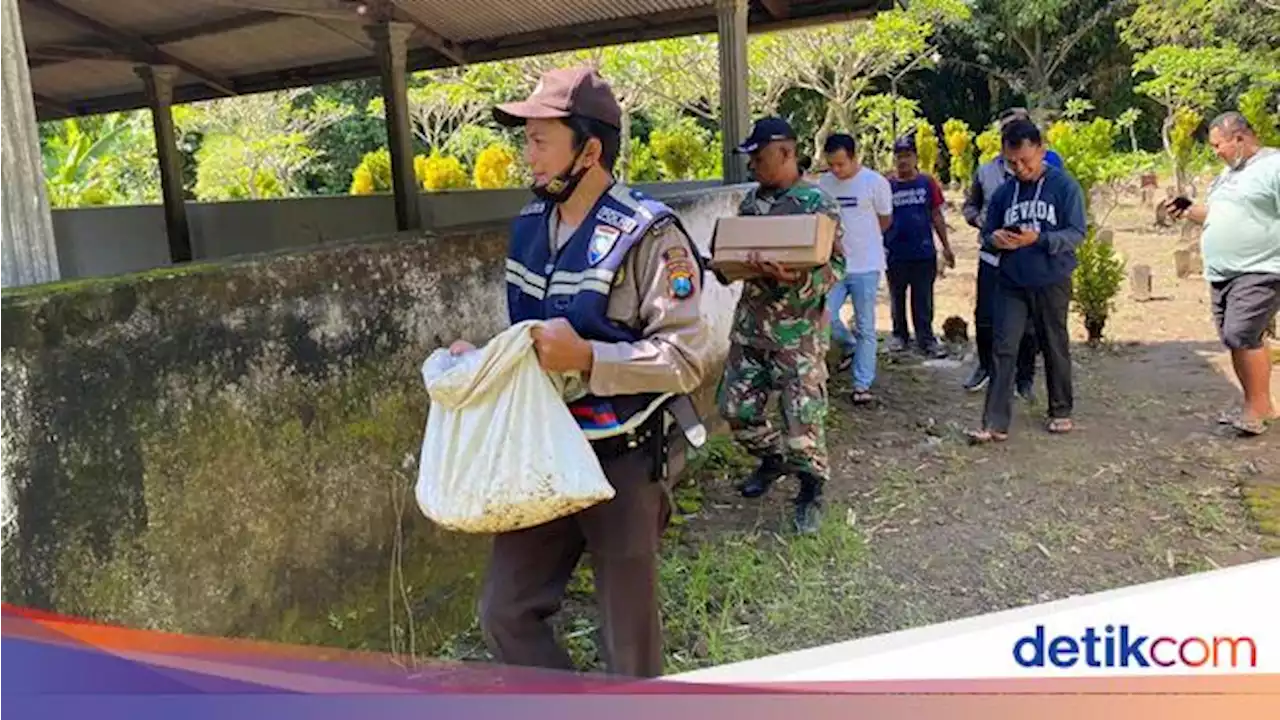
{"x": 916, "y": 276}
{"x": 984, "y": 329}
{"x": 1046, "y": 309}
{"x": 530, "y": 569}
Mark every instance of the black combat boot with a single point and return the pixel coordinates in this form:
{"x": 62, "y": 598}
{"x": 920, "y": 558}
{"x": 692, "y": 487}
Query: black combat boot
{"x": 809, "y": 505}
{"x": 772, "y": 468}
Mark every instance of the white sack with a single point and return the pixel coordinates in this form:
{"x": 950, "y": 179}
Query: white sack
{"x": 501, "y": 450}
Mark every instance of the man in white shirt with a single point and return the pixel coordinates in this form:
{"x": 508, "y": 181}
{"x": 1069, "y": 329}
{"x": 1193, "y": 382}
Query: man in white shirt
{"x": 866, "y": 207}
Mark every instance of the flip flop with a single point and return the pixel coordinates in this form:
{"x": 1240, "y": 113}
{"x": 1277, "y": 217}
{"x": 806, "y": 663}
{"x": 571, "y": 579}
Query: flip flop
{"x": 1060, "y": 426}
{"x": 862, "y": 397}
{"x": 982, "y": 437}
{"x": 1250, "y": 428}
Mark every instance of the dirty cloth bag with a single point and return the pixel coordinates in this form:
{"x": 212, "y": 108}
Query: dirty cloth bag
{"x": 501, "y": 450}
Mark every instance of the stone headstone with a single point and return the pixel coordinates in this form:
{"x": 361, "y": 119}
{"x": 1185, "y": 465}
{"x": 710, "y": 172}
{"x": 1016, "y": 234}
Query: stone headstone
{"x": 1183, "y": 263}
{"x": 1140, "y": 280}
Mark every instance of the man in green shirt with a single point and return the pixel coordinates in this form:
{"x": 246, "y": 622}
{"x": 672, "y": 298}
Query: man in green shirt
{"x": 1241, "y": 249}
{"x": 780, "y": 334}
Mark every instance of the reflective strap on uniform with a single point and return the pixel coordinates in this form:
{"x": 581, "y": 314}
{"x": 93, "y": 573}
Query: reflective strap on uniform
{"x": 524, "y": 285}
{"x": 530, "y": 282}
{"x": 596, "y": 286}
{"x": 531, "y": 277}
{"x": 632, "y": 423}
{"x": 566, "y": 277}
{"x": 989, "y": 258}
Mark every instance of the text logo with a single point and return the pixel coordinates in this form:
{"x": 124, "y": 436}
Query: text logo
{"x": 1122, "y": 647}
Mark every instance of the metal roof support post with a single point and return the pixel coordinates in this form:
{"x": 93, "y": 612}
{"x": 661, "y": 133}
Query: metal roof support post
{"x": 731, "y": 16}
{"x": 389, "y": 40}
{"x": 30, "y": 254}
{"x": 158, "y": 80}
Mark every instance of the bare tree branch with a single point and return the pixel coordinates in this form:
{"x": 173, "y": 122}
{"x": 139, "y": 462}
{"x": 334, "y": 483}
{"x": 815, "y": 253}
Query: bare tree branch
{"x": 1069, "y": 42}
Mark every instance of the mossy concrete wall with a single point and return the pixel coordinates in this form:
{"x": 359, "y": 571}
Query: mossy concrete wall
{"x": 230, "y": 449}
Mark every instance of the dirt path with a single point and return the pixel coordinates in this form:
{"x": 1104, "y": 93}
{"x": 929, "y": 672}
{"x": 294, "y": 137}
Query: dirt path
{"x": 922, "y": 528}
{"x": 1147, "y": 487}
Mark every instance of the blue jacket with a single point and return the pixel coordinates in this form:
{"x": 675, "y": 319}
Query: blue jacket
{"x": 575, "y": 284}
{"x": 1054, "y": 206}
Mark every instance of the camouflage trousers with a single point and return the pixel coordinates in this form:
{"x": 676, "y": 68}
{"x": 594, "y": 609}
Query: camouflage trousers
{"x": 751, "y": 375}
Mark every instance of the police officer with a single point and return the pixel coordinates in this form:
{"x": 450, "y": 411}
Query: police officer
{"x": 780, "y": 335}
{"x": 617, "y": 280}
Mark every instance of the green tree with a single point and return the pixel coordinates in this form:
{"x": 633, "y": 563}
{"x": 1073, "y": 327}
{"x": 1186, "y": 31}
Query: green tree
{"x": 1264, "y": 118}
{"x": 343, "y": 144}
{"x": 1187, "y": 81}
{"x": 440, "y": 102}
{"x": 103, "y": 160}
{"x": 873, "y": 122}
{"x": 682, "y": 148}
{"x": 1046, "y": 51}
{"x": 1128, "y": 120}
{"x": 256, "y": 146}
{"x": 1087, "y": 150}
{"x": 840, "y": 62}
{"x": 467, "y": 142}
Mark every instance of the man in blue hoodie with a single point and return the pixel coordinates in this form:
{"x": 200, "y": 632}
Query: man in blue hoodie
{"x": 988, "y": 178}
{"x": 1034, "y": 223}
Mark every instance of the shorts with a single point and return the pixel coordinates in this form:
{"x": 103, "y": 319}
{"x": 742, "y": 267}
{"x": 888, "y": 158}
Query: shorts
{"x": 1244, "y": 308}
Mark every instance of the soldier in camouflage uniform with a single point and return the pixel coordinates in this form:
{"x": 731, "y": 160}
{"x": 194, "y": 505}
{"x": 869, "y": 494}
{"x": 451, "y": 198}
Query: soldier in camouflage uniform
{"x": 780, "y": 335}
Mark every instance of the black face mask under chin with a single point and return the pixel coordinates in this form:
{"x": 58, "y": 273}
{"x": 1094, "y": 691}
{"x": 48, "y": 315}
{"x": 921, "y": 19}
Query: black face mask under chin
{"x": 561, "y": 187}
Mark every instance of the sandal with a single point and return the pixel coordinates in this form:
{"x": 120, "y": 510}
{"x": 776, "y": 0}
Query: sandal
{"x": 862, "y": 397}
{"x": 1249, "y": 428}
{"x": 1060, "y": 426}
{"x": 984, "y": 436}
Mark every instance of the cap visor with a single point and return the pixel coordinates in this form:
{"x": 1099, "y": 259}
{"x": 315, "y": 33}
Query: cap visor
{"x": 514, "y": 114}
{"x": 747, "y": 148}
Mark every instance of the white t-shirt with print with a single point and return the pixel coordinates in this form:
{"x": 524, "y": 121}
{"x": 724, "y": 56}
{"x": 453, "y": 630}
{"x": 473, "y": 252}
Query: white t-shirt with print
{"x": 862, "y": 198}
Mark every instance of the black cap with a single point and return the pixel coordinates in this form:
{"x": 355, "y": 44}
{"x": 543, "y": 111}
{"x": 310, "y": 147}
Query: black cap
{"x": 765, "y": 131}
{"x": 906, "y": 143}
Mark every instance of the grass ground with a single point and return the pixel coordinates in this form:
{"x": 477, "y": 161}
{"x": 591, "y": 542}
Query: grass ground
{"x": 922, "y": 528}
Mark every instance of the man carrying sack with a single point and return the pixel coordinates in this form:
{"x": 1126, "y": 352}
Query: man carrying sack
{"x": 618, "y": 281}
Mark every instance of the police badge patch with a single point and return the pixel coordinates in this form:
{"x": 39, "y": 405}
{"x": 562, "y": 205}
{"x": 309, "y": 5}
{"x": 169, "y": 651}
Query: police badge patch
{"x": 680, "y": 283}
{"x": 602, "y": 241}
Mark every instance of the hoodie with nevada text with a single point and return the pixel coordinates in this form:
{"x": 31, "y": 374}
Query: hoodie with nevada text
{"x": 1053, "y": 205}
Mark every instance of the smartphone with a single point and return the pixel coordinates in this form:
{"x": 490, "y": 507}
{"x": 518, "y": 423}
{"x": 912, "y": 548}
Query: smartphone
{"x": 1012, "y": 229}
{"x": 1180, "y": 203}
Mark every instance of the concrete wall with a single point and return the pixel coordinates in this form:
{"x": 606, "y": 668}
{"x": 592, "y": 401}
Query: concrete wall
{"x": 229, "y": 448}
{"x": 95, "y": 242}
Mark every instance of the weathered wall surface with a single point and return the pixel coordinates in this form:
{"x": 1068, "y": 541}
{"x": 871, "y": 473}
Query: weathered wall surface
{"x": 230, "y": 449}
{"x": 100, "y": 241}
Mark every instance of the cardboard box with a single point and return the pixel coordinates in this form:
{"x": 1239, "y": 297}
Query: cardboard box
{"x": 796, "y": 242}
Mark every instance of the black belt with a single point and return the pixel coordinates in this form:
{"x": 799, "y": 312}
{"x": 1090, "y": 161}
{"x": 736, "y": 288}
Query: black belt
{"x": 642, "y": 437}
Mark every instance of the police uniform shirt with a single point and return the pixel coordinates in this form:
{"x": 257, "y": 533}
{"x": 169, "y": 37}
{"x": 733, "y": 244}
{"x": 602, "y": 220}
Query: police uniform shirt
{"x": 657, "y": 291}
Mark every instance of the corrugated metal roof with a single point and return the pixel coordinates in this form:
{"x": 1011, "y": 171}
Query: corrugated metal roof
{"x": 258, "y": 45}
{"x": 485, "y": 20}
{"x": 289, "y": 42}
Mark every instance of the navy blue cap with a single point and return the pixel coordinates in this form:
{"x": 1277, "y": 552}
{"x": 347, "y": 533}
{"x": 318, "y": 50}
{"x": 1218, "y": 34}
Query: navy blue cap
{"x": 765, "y": 131}
{"x": 904, "y": 144}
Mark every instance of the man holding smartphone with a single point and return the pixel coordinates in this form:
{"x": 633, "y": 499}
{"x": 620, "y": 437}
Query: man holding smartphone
{"x": 1034, "y": 223}
{"x": 1241, "y": 249}
{"x": 988, "y": 178}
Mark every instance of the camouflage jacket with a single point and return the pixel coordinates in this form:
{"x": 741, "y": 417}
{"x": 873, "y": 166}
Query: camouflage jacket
{"x": 786, "y": 316}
